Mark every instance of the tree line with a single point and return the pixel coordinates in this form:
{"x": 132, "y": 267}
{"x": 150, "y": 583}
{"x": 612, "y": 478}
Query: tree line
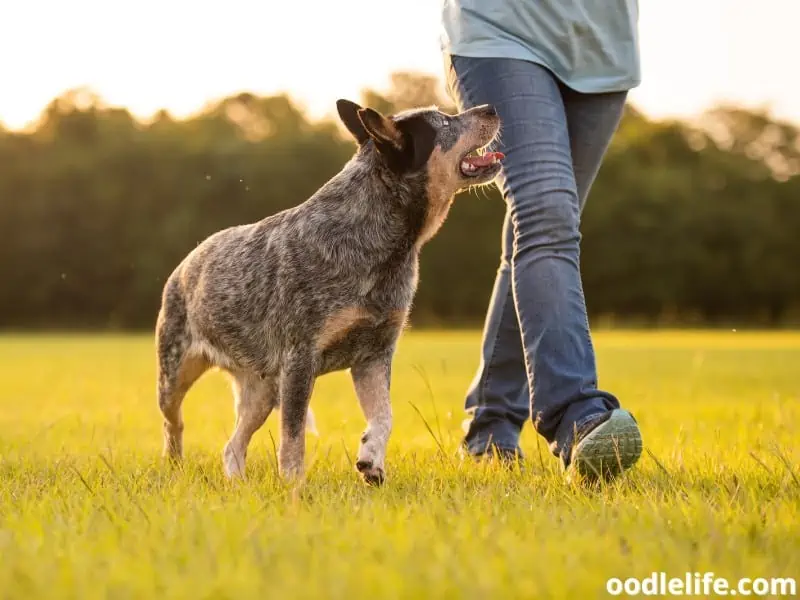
{"x": 687, "y": 223}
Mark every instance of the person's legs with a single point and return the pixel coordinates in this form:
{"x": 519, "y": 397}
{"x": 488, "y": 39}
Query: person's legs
{"x": 537, "y": 350}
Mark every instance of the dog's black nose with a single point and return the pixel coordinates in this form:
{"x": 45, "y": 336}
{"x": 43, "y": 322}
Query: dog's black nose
{"x": 490, "y": 111}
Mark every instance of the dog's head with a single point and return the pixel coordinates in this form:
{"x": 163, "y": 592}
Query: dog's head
{"x": 447, "y": 149}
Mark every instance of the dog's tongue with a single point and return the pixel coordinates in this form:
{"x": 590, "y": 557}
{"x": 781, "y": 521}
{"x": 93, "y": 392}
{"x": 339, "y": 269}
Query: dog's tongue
{"x": 484, "y": 160}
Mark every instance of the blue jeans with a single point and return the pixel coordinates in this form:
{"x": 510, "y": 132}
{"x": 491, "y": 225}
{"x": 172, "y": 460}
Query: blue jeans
{"x": 537, "y": 356}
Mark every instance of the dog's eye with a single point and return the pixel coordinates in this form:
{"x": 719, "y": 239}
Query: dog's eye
{"x": 445, "y": 123}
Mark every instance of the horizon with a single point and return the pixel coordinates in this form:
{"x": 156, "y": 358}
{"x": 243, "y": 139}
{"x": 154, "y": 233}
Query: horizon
{"x": 730, "y": 53}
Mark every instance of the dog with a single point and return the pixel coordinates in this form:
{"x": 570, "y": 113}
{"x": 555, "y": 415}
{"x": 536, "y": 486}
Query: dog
{"x": 324, "y": 286}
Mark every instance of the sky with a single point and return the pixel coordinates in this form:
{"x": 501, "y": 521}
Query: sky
{"x": 179, "y": 55}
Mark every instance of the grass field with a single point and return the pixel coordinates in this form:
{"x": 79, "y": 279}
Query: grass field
{"x": 87, "y": 509}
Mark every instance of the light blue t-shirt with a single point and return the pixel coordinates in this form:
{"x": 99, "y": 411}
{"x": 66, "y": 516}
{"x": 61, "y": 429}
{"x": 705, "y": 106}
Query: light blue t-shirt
{"x": 590, "y": 45}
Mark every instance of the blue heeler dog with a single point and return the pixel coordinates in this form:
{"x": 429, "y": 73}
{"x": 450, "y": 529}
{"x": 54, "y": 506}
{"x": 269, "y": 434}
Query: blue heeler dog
{"x": 324, "y": 286}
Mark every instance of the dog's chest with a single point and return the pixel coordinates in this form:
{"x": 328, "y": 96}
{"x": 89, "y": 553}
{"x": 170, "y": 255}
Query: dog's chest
{"x": 355, "y": 337}
{"x": 370, "y": 320}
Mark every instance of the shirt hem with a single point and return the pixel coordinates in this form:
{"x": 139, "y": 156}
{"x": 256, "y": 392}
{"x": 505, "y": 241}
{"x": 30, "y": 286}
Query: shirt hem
{"x": 593, "y": 85}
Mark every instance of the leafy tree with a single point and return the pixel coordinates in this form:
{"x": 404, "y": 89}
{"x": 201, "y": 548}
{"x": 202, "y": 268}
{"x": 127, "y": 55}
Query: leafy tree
{"x": 686, "y": 224}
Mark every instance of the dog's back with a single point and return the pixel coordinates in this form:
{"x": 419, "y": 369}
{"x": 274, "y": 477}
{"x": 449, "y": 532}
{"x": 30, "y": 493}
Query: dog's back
{"x": 252, "y": 292}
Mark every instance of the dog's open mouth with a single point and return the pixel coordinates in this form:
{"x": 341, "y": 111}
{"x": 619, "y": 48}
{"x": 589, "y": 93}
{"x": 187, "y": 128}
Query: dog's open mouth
{"x": 477, "y": 162}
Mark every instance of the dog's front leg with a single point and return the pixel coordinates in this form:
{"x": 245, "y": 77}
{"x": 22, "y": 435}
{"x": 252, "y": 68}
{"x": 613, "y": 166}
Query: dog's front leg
{"x": 296, "y": 385}
{"x": 372, "y": 383}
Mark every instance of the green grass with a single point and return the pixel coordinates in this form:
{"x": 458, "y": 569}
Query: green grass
{"x": 87, "y": 509}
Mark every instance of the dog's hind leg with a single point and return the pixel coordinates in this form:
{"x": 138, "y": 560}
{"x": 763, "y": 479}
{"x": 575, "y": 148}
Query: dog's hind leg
{"x": 372, "y": 381}
{"x": 178, "y": 369}
{"x": 254, "y": 400}
{"x": 174, "y": 380}
{"x": 296, "y": 384}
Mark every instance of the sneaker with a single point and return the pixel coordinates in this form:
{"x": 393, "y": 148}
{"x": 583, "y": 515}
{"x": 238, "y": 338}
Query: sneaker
{"x": 606, "y": 446}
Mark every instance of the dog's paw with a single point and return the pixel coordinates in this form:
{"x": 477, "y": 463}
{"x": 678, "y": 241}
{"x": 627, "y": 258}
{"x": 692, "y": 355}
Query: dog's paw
{"x": 372, "y": 475}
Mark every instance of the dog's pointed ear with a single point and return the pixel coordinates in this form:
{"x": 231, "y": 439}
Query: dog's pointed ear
{"x": 348, "y": 113}
{"x": 382, "y": 130}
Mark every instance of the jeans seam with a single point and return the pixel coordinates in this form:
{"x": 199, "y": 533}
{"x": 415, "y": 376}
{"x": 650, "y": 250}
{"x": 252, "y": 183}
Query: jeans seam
{"x": 513, "y": 278}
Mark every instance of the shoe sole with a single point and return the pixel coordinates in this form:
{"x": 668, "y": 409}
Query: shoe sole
{"x": 611, "y": 448}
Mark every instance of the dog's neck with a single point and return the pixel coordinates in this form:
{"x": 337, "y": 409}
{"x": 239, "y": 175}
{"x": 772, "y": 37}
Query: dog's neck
{"x": 366, "y": 195}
